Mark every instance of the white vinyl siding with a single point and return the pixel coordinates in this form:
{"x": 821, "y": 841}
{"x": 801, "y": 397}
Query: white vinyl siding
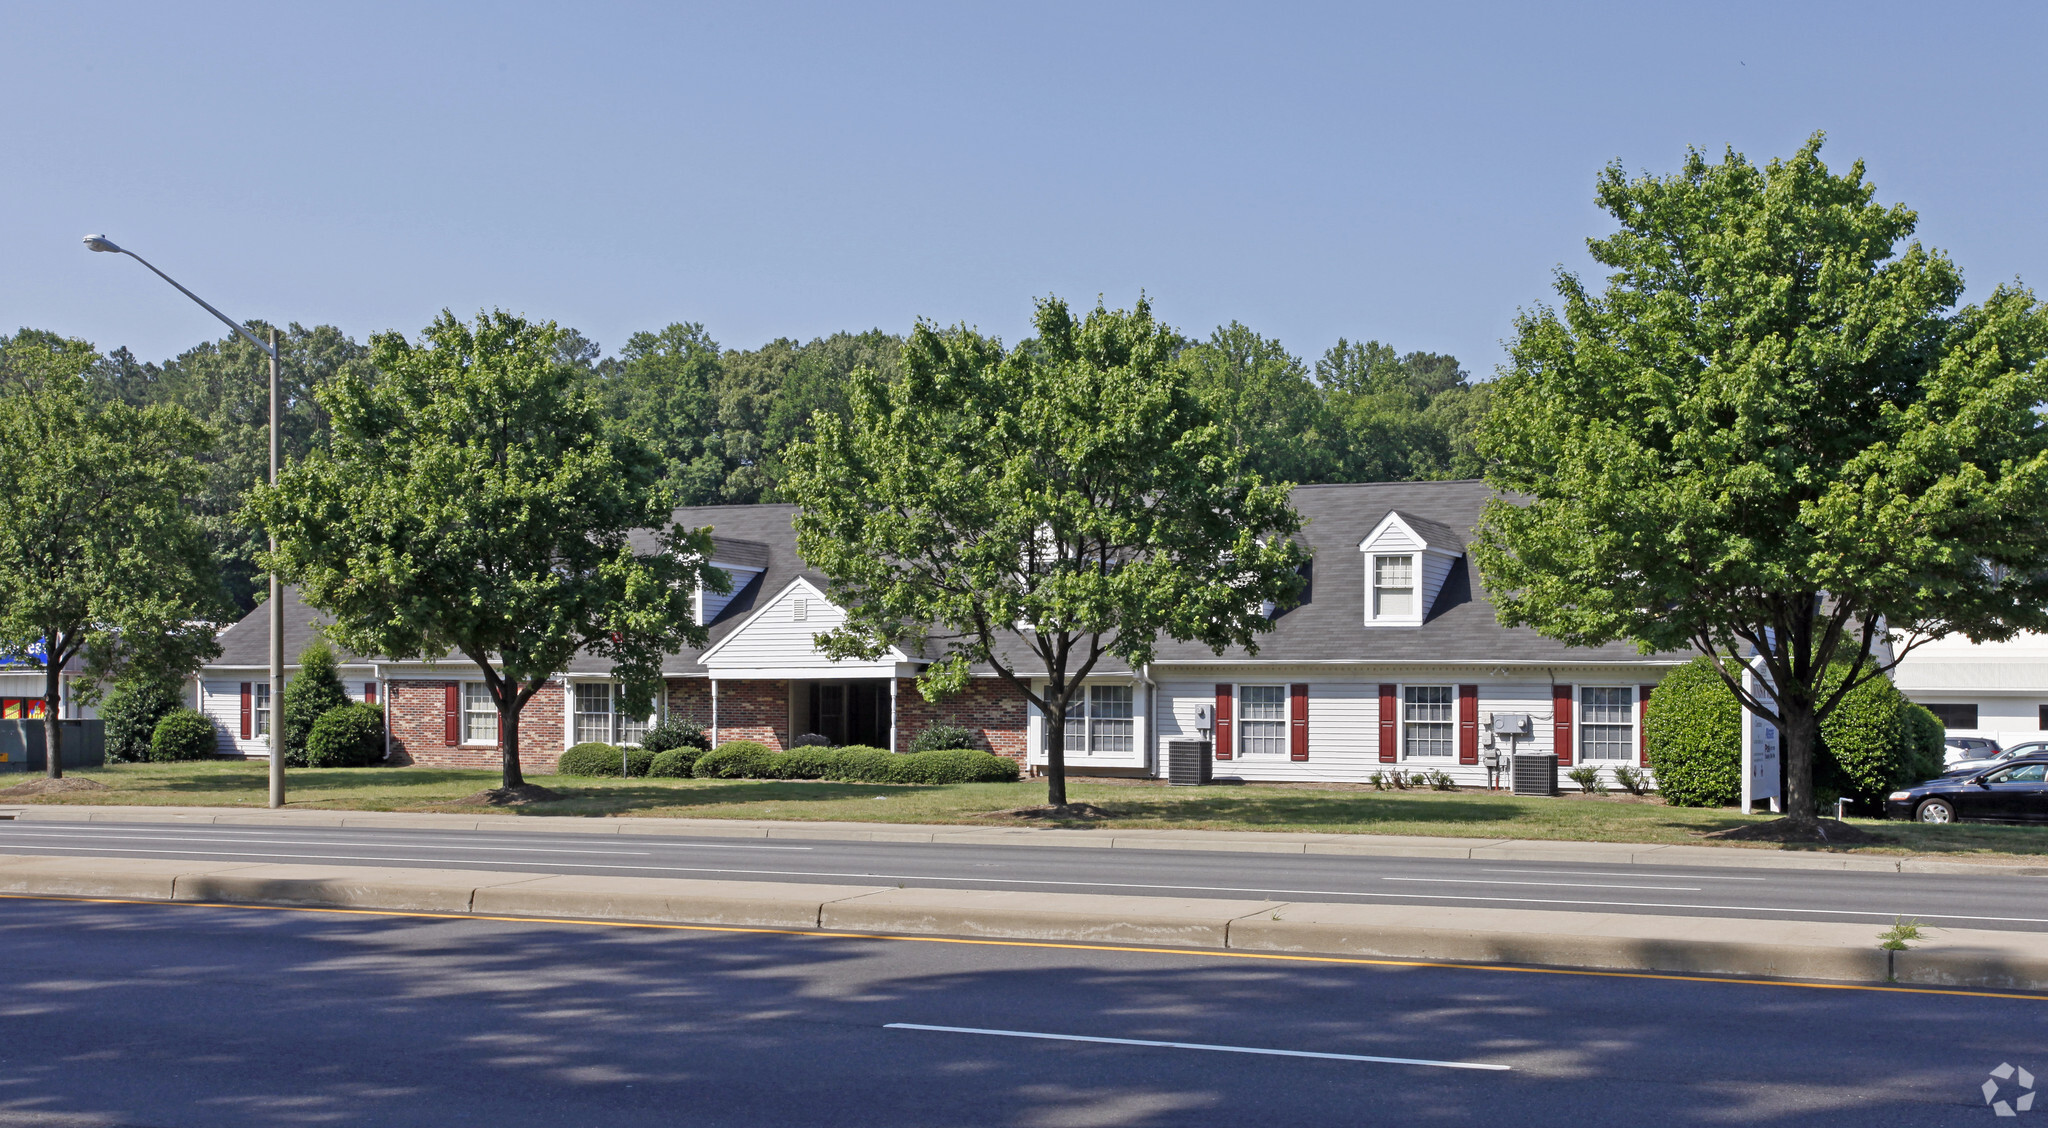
{"x": 479, "y": 716}
{"x": 1607, "y": 729}
{"x": 1101, "y": 720}
{"x": 1427, "y": 729}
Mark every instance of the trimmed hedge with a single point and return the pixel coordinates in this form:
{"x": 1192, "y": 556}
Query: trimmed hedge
{"x": 183, "y": 734}
{"x": 809, "y": 761}
{"x": 736, "y": 759}
{"x": 672, "y": 733}
{"x": 349, "y": 737}
{"x": 938, "y": 737}
{"x": 1694, "y": 728}
{"x": 674, "y": 763}
{"x": 596, "y": 758}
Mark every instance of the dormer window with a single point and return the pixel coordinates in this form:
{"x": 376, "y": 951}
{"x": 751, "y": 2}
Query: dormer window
{"x": 1393, "y": 587}
{"x": 1406, "y": 561}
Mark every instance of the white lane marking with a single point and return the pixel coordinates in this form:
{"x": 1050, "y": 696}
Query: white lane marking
{"x": 1546, "y": 884}
{"x": 1926, "y": 915}
{"x": 1195, "y": 1046}
{"x": 1598, "y": 873}
{"x": 246, "y": 838}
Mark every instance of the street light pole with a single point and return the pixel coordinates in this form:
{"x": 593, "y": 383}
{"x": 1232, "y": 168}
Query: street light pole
{"x": 276, "y": 616}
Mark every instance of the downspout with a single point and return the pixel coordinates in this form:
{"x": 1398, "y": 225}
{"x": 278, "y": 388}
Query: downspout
{"x": 893, "y": 679}
{"x": 1144, "y": 674}
{"x": 384, "y": 699}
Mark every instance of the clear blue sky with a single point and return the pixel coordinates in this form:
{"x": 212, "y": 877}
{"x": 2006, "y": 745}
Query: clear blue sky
{"x": 1410, "y": 173}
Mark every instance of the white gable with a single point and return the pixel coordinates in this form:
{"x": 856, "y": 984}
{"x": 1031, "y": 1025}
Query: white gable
{"x": 777, "y": 641}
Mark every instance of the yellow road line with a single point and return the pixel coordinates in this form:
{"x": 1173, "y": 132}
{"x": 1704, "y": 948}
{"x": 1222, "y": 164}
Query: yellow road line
{"x": 1223, "y": 953}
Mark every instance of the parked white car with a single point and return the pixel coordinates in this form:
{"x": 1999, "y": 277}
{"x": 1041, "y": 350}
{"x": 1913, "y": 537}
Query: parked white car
{"x": 1979, "y": 763}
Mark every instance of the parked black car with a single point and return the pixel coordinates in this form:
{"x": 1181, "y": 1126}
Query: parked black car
{"x": 2012, "y": 791}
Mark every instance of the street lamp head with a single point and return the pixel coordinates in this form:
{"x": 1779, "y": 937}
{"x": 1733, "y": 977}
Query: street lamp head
{"x": 100, "y": 243}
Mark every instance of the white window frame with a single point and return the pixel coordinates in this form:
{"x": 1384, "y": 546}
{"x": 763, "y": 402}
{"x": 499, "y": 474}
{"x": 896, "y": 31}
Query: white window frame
{"x": 1414, "y": 588}
{"x": 1239, "y": 727}
{"x": 616, "y": 727}
{"x": 1090, "y": 723}
{"x": 259, "y": 710}
{"x": 1581, "y": 746}
{"x": 1450, "y": 724}
{"x": 490, "y": 709}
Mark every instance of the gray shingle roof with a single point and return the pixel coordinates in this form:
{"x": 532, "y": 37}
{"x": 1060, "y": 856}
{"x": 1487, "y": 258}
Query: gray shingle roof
{"x": 1327, "y": 627}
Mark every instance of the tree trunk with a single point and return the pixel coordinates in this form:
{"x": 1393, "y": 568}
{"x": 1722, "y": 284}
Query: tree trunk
{"x": 1056, "y": 754}
{"x": 508, "y": 737}
{"x": 53, "y": 729}
{"x": 1801, "y": 737}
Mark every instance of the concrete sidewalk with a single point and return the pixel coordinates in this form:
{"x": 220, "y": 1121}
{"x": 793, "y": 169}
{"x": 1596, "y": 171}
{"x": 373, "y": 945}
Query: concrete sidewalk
{"x": 1235, "y": 841}
{"x": 1614, "y": 942}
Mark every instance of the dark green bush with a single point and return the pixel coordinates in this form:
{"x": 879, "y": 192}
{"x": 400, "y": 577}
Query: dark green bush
{"x": 736, "y": 759}
{"x": 809, "y": 761}
{"x": 674, "y": 732}
{"x": 957, "y": 765}
{"x": 132, "y": 709}
{"x": 309, "y": 695}
{"x": 674, "y": 763}
{"x": 596, "y": 758}
{"x": 940, "y": 736}
{"x": 1926, "y": 743}
{"x": 183, "y": 734}
{"x": 1694, "y": 727}
{"x": 1872, "y": 742}
{"x": 349, "y": 737}
{"x": 859, "y": 763}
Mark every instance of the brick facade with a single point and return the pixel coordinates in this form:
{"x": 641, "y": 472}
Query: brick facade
{"x": 747, "y": 710}
{"x": 988, "y": 705}
{"x": 416, "y": 708}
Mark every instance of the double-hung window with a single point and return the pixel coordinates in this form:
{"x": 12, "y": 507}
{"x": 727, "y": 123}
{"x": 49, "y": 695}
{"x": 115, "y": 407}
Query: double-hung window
{"x": 1100, "y": 720}
{"x": 1393, "y": 587}
{"x": 1607, "y": 729}
{"x": 479, "y": 715}
{"x": 1262, "y": 719}
{"x": 1426, "y": 721}
{"x": 259, "y": 702}
{"x": 599, "y": 715}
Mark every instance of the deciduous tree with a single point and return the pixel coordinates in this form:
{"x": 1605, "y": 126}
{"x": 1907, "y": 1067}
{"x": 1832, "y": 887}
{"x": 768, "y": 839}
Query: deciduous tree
{"x": 1773, "y": 432}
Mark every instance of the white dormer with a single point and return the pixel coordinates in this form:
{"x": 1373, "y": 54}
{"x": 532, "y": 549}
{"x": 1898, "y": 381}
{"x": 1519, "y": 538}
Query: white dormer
{"x": 1406, "y": 561}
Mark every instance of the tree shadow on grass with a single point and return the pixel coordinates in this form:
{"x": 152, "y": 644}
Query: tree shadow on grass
{"x": 1343, "y": 811}
{"x": 620, "y": 798}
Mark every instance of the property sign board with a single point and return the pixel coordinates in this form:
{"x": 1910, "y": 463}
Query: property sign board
{"x": 1760, "y": 744}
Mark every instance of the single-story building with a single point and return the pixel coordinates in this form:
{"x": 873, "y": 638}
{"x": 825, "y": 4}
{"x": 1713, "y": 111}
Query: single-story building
{"x": 1393, "y": 660}
{"x": 1993, "y": 689}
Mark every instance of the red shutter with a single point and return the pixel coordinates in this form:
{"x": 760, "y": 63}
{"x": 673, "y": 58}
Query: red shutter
{"x": 1297, "y": 727}
{"x": 1223, "y": 733}
{"x": 1561, "y": 723}
{"x": 1389, "y": 736}
{"x": 1468, "y": 724}
{"x": 1643, "y": 724}
{"x": 451, "y": 713}
{"x": 248, "y": 712}
{"x": 370, "y": 693}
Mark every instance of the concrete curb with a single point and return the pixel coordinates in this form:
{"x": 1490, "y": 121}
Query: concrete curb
{"x": 1541, "y": 938}
{"x": 1222, "y": 841}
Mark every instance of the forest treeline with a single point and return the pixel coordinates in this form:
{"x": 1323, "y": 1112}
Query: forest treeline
{"x": 722, "y": 419}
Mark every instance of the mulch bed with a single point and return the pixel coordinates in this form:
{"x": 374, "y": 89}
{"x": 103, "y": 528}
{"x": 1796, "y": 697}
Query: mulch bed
{"x": 519, "y": 796}
{"x": 52, "y": 787}
{"x": 1820, "y": 832}
{"x": 1082, "y": 811}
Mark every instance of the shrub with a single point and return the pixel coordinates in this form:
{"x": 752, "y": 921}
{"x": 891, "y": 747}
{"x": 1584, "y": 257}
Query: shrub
{"x": 1588, "y": 778}
{"x": 674, "y": 732}
{"x": 308, "y": 696}
{"x": 1631, "y": 778}
{"x": 674, "y": 763}
{"x": 863, "y": 764}
{"x": 349, "y": 737}
{"x": 812, "y": 740}
{"x": 1694, "y": 728}
{"x": 596, "y": 758}
{"x": 807, "y": 761}
{"x": 938, "y": 736}
{"x": 132, "y": 709}
{"x": 735, "y": 759}
{"x": 183, "y": 734}
{"x": 1441, "y": 780}
{"x": 1925, "y": 743}
{"x": 1871, "y": 743}
{"x": 1378, "y": 781}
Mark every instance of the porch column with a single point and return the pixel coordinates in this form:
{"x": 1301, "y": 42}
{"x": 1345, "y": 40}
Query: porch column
{"x": 714, "y": 712}
{"x": 892, "y": 710}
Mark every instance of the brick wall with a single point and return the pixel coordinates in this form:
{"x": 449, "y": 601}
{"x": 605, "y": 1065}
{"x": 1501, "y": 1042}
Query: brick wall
{"x": 419, "y": 729}
{"x": 988, "y": 705}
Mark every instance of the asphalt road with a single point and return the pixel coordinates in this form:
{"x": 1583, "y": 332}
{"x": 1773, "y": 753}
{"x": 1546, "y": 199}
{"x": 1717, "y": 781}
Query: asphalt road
{"x": 2016, "y": 903}
{"x": 172, "y": 1016}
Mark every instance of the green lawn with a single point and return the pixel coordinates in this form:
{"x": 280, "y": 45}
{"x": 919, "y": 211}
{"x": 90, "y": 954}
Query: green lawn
{"x": 1465, "y": 814}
